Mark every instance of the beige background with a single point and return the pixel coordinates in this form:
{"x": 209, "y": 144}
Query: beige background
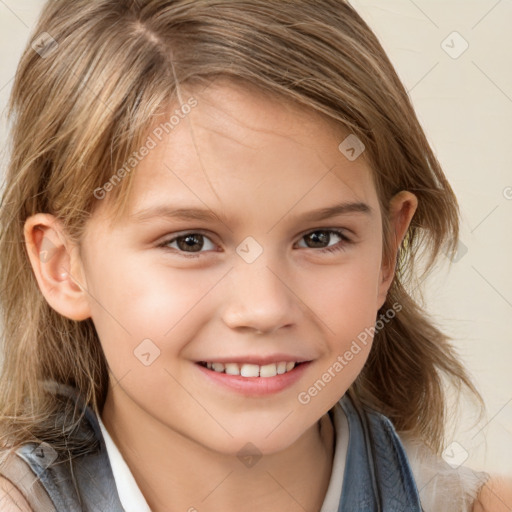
{"x": 464, "y": 101}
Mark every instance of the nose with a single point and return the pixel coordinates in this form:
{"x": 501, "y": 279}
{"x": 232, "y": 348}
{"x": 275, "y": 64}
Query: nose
{"x": 259, "y": 299}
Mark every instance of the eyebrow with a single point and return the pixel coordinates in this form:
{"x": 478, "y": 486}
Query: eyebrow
{"x": 204, "y": 214}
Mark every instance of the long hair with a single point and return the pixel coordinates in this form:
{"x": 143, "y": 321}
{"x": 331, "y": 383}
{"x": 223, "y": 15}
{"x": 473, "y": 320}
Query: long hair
{"x": 101, "y": 73}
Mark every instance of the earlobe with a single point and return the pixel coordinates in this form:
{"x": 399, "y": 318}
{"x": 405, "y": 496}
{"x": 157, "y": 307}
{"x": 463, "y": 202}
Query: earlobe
{"x": 401, "y": 211}
{"x": 56, "y": 266}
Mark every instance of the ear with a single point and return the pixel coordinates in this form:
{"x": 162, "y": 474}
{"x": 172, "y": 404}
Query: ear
{"x": 57, "y": 266}
{"x": 401, "y": 211}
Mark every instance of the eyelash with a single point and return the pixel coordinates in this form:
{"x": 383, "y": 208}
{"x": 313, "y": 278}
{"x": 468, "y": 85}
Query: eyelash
{"x": 340, "y": 246}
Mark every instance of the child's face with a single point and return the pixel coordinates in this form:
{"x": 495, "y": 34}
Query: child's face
{"x": 252, "y": 269}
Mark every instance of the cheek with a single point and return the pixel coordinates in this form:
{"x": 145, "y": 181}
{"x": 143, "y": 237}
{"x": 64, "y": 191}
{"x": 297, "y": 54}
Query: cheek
{"x": 344, "y": 296}
{"x": 344, "y": 299}
{"x": 133, "y": 302}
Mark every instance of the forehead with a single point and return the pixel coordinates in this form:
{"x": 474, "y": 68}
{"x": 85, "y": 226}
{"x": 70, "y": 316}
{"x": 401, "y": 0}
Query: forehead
{"x": 241, "y": 151}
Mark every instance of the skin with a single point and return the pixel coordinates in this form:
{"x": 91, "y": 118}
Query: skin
{"x": 495, "y": 496}
{"x": 267, "y": 164}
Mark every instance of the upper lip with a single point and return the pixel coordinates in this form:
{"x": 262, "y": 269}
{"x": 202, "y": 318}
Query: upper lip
{"x": 257, "y": 359}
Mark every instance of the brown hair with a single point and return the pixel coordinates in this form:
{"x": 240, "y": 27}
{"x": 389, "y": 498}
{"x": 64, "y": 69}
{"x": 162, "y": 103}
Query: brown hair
{"x": 82, "y": 104}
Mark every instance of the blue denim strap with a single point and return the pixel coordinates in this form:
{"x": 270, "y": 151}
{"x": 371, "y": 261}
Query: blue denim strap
{"x": 377, "y": 472}
{"x": 376, "y": 469}
{"x": 82, "y": 483}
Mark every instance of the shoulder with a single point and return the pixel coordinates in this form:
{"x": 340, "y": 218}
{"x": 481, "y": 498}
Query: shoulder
{"x": 443, "y": 487}
{"x": 11, "y": 499}
{"x": 494, "y": 496}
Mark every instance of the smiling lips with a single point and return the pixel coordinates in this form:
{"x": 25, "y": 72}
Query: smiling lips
{"x": 251, "y": 370}
{"x": 252, "y": 379}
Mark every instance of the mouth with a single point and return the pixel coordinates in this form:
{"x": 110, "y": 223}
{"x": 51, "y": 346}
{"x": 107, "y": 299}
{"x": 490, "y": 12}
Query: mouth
{"x": 251, "y": 379}
{"x": 252, "y": 370}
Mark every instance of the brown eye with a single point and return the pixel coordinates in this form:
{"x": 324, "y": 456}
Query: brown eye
{"x": 188, "y": 243}
{"x": 320, "y": 239}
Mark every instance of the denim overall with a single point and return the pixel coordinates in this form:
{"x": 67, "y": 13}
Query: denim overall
{"x": 377, "y": 476}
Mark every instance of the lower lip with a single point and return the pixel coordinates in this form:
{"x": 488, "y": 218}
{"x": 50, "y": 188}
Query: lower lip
{"x": 256, "y": 386}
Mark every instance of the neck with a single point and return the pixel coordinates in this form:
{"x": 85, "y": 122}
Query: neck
{"x": 195, "y": 478}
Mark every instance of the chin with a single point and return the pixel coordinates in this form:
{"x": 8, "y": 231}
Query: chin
{"x": 254, "y": 442}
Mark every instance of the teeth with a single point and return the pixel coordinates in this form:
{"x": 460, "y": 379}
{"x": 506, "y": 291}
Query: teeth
{"x": 232, "y": 369}
{"x": 269, "y": 370}
{"x": 218, "y": 367}
{"x": 252, "y": 370}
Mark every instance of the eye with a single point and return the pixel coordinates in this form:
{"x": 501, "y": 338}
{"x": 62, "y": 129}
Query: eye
{"x": 321, "y": 236}
{"x": 191, "y": 242}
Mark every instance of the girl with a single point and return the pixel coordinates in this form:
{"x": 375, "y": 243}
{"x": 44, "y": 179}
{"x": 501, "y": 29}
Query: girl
{"x": 210, "y": 224}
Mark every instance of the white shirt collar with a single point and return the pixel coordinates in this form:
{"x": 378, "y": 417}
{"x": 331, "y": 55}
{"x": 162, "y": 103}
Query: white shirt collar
{"x": 129, "y": 493}
{"x": 133, "y": 500}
